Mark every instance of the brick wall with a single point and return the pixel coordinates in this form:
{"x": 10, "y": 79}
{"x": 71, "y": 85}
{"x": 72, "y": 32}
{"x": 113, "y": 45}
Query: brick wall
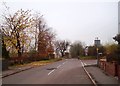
{"x": 118, "y": 71}
{"x": 111, "y": 68}
{"x": 102, "y": 65}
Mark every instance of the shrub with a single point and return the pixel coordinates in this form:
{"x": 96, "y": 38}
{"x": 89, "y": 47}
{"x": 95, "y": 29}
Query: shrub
{"x": 111, "y": 52}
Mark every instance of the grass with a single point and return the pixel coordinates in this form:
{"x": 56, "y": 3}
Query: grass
{"x": 44, "y": 62}
{"x": 87, "y": 57}
{"x": 37, "y": 63}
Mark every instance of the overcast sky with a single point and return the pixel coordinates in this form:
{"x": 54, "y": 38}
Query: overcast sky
{"x": 73, "y": 20}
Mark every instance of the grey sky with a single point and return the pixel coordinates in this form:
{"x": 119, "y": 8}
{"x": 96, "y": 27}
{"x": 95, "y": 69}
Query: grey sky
{"x": 76, "y": 20}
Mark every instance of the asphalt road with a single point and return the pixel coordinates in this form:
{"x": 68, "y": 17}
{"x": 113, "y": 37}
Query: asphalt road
{"x": 67, "y": 71}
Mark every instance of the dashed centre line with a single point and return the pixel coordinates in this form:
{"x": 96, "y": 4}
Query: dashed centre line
{"x": 57, "y": 68}
{"x": 64, "y": 63}
{"x": 51, "y": 72}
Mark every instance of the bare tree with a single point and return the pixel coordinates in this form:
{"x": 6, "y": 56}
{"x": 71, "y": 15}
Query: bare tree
{"x": 62, "y": 46}
{"x": 37, "y": 25}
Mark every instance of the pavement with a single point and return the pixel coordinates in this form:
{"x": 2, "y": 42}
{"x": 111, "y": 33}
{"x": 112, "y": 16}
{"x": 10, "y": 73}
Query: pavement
{"x": 98, "y": 75}
{"x": 15, "y": 70}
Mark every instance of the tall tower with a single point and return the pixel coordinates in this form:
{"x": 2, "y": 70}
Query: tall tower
{"x": 119, "y": 17}
{"x": 97, "y": 42}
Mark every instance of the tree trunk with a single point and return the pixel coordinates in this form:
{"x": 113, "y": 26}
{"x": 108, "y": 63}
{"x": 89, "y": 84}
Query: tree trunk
{"x": 22, "y": 49}
{"x": 62, "y": 54}
{"x": 36, "y": 39}
{"x": 19, "y": 53}
{"x": 18, "y": 46}
{"x": 5, "y": 53}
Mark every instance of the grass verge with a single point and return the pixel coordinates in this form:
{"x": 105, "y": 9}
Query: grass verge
{"x": 36, "y": 63}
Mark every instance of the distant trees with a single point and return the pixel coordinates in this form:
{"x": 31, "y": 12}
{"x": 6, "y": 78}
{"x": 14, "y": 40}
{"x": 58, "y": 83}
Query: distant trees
{"x": 61, "y": 46}
{"x": 76, "y": 49}
{"x": 92, "y": 50}
{"x": 109, "y": 51}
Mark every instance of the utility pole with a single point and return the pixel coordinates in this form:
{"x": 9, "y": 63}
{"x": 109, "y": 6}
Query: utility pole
{"x": 97, "y": 56}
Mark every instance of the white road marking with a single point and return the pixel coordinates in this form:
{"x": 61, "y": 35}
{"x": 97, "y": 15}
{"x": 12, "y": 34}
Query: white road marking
{"x": 51, "y": 72}
{"x": 93, "y": 81}
{"x": 64, "y": 63}
{"x": 82, "y": 63}
{"x": 58, "y": 66}
{"x": 85, "y": 63}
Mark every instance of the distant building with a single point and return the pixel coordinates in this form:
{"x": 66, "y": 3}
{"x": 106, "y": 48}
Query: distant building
{"x": 97, "y": 42}
{"x": 86, "y": 51}
{"x": 119, "y": 17}
{"x": 67, "y": 55}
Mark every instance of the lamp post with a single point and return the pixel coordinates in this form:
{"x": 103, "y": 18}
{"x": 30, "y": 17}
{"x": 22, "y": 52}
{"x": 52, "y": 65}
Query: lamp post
{"x": 97, "y": 56}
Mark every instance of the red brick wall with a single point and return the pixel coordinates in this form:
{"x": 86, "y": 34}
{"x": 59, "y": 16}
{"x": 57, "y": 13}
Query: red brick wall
{"x": 111, "y": 69}
{"x": 102, "y": 65}
{"x": 119, "y": 71}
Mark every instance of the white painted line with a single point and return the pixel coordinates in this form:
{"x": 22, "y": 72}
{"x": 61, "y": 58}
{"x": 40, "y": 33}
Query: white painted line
{"x": 51, "y": 72}
{"x": 58, "y": 66}
{"x": 64, "y": 63}
{"x": 89, "y": 74}
{"x": 85, "y": 63}
{"x": 82, "y": 63}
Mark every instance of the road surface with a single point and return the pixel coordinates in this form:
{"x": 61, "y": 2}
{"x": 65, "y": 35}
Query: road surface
{"x": 67, "y": 71}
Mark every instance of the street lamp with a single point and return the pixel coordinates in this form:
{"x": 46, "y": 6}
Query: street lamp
{"x": 97, "y": 56}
